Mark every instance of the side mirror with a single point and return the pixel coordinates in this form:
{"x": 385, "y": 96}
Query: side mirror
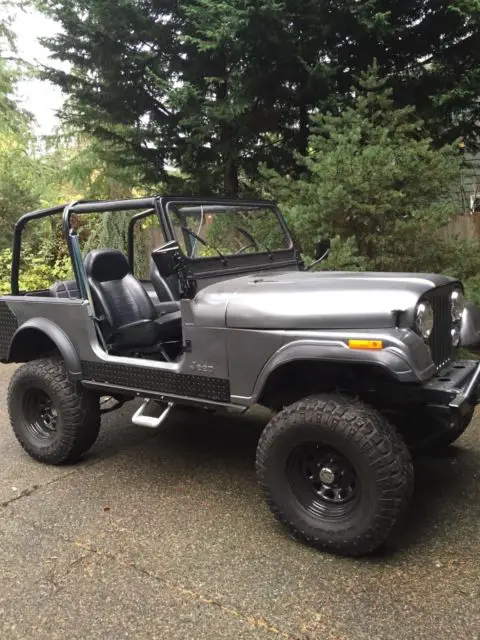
{"x": 322, "y": 248}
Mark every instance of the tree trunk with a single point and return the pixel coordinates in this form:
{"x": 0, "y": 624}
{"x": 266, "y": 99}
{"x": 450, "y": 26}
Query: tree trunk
{"x": 230, "y": 174}
{"x": 227, "y": 143}
{"x": 304, "y": 127}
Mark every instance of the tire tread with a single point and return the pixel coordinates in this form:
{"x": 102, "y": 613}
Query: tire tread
{"x": 376, "y": 437}
{"x": 80, "y": 411}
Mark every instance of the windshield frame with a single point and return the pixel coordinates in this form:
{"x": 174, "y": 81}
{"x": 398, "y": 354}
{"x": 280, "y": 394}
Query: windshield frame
{"x": 166, "y": 203}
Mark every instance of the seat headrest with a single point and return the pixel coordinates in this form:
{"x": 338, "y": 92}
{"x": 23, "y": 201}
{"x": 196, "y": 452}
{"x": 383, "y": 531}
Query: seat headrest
{"x": 106, "y": 264}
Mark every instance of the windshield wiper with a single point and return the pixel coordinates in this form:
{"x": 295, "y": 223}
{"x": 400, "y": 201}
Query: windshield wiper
{"x": 253, "y": 242}
{"x": 249, "y": 237}
{"x": 205, "y": 243}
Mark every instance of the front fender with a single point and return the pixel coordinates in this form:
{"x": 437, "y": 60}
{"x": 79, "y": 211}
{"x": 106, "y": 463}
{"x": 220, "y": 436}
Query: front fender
{"x": 17, "y": 351}
{"x": 405, "y": 358}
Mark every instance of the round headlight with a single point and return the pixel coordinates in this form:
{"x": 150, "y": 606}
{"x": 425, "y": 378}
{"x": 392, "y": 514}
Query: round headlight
{"x": 424, "y": 319}
{"x": 458, "y": 305}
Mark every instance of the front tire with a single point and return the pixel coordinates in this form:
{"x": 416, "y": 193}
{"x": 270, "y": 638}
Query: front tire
{"x": 54, "y": 419}
{"x": 336, "y": 473}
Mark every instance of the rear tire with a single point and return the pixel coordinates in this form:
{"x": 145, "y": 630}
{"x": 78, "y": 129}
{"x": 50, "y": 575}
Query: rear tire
{"x": 336, "y": 473}
{"x": 54, "y": 419}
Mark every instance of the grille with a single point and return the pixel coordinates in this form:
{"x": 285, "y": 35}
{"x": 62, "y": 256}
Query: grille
{"x": 440, "y": 342}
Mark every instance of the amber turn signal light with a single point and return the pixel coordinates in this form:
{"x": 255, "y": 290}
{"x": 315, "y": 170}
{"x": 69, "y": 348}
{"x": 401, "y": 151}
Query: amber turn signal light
{"x": 365, "y": 344}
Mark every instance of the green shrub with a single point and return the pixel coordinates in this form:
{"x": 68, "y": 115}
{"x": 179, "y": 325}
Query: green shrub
{"x": 35, "y": 272}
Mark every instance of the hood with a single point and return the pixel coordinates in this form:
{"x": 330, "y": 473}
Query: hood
{"x": 312, "y": 300}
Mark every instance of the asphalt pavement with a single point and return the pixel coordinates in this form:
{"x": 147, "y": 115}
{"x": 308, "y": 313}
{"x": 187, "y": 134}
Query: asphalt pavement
{"x": 164, "y": 535}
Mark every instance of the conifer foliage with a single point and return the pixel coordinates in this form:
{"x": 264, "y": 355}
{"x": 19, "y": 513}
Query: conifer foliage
{"x": 217, "y": 87}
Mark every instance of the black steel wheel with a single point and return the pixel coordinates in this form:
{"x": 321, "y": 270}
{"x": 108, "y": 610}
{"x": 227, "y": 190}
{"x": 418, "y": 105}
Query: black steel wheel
{"x": 336, "y": 473}
{"x": 323, "y": 480}
{"x": 40, "y": 414}
{"x": 54, "y": 419}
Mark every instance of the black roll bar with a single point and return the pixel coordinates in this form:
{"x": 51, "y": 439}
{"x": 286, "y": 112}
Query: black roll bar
{"x": 130, "y": 238}
{"x": 149, "y": 205}
{"x": 81, "y": 206}
{"x": 105, "y": 207}
{"x": 73, "y": 247}
{"x": 17, "y": 240}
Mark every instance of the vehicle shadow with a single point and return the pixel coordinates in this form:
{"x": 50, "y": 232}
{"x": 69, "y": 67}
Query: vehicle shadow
{"x": 444, "y": 486}
{"x": 226, "y": 446}
{"x": 228, "y": 439}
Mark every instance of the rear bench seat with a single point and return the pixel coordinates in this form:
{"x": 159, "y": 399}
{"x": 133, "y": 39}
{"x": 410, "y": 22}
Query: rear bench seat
{"x": 65, "y": 289}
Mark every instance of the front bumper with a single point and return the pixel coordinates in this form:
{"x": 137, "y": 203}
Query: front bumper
{"x": 455, "y": 388}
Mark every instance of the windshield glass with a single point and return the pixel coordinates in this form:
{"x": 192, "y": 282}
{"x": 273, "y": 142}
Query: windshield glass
{"x": 226, "y": 229}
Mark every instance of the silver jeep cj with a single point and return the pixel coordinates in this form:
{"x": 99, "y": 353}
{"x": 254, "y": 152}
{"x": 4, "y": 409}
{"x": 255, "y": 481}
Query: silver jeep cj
{"x": 359, "y": 369}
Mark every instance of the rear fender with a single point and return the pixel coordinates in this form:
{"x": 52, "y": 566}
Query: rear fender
{"x": 32, "y": 339}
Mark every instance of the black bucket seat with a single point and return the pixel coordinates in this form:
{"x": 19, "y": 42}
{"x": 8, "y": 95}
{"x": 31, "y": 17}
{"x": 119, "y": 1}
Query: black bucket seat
{"x": 167, "y": 289}
{"x": 126, "y": 314}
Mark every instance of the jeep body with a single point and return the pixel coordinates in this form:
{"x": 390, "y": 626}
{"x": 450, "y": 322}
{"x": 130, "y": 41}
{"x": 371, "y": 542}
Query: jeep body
{"x": 228, "y": 317}
{"x": 258, "y": 323}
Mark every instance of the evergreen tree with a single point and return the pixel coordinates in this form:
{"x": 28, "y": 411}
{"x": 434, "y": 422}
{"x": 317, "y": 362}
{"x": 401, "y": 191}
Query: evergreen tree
{"x": 215, "y": 88}
{"x": 19, "y": 189}
{"x": 373, "y": 179}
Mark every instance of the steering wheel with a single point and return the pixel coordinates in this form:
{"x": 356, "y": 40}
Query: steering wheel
{"x": 247, "y": 246}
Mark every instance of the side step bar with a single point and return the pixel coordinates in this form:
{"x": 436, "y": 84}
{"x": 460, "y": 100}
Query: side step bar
{"x": 152, "y": 422}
